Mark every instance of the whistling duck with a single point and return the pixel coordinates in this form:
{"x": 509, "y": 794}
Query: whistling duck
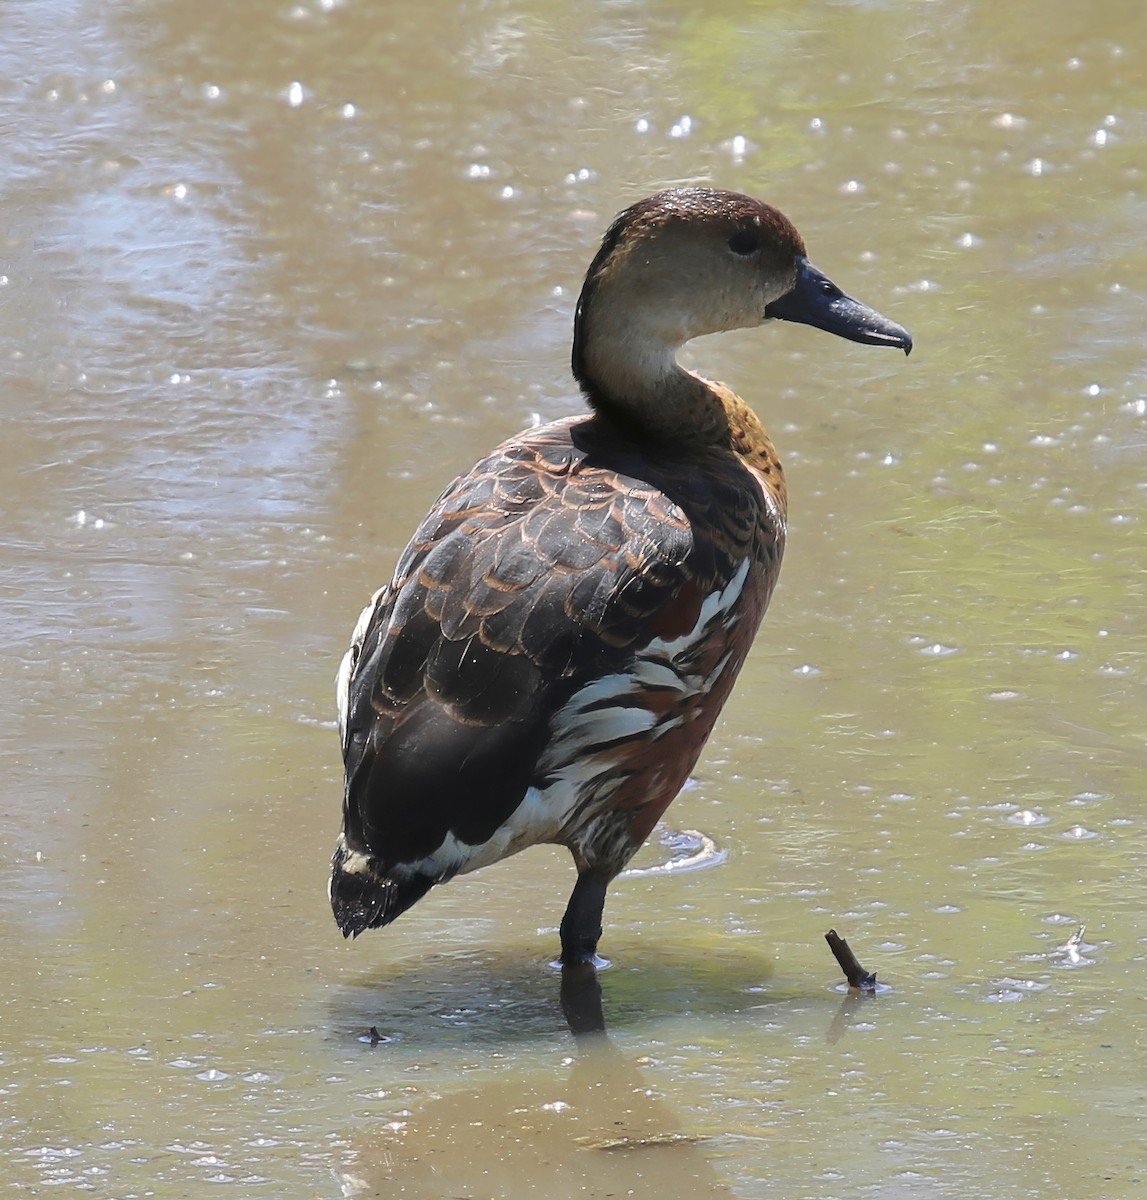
{"x": 565, "y": 625}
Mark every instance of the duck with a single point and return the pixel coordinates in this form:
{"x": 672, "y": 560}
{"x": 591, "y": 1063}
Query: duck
{"x": 558, "y": 638}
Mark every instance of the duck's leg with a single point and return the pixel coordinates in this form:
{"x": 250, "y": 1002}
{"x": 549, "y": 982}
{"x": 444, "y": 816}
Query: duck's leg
{"x": 581, "y": 925}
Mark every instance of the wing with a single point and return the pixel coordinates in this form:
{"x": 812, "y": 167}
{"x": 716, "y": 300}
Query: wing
{"x": 538, "y": 570}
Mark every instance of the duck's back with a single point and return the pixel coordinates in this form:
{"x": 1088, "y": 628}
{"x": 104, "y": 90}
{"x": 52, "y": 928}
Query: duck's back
{"x": 548, "y": 659}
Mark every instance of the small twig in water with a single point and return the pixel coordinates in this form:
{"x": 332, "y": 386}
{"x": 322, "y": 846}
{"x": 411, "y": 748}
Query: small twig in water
{"x": 1071, "y": 947}
{"x": 856, "y": 975}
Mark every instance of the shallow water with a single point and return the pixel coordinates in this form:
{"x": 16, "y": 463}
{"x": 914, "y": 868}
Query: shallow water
{"x": 269, "y": 276}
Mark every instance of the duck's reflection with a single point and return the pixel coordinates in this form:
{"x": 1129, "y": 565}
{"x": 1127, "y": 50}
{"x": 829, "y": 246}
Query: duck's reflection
{"x": 591, "y": 1126}
{"x": 594, "y": 1128}
{"x": 581, "y": 1000}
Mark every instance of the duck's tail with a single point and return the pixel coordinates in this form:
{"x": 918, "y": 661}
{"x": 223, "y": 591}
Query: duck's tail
{"x": 364, "y": 895}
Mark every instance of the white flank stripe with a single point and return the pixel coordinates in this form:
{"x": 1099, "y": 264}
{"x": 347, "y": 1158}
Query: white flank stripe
{"x": 342, "y": 690}
{"x": 346, "y": 667}
{"x": 717, "y": 671}
{"x": 609, "y": 710}
{"x": 713, "y": 606}
{"x": 605, "y": 688}
{"x": 603, "y": 724}
{"x": 653, "y": 674}
{"x": 539, "y": 818}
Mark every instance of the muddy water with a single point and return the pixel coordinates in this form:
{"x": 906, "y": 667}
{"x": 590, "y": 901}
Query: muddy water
{"x": 269, "y": 276}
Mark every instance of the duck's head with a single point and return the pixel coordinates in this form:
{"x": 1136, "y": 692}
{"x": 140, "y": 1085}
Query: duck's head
{"x": 691, "y": 261}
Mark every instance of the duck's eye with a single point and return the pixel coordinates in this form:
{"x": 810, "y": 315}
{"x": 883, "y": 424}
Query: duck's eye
{"x": 744, "y": 242}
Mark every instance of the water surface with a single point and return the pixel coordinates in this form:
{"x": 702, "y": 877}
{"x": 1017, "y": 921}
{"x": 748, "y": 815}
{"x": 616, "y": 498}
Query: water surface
{"x": 269, "y": 276}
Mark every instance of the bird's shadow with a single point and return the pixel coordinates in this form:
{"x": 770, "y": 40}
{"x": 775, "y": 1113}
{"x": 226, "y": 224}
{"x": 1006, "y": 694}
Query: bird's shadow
{"x": 506, "y": 998}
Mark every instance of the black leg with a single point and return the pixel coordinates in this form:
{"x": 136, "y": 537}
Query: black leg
{"x": 581, "y": 926}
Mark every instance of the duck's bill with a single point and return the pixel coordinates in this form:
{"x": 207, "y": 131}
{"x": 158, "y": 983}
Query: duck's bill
{"x": 815, "y": 300}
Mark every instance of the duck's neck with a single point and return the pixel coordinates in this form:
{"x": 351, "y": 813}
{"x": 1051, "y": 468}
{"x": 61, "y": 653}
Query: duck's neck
{"x": 633, "y": 377}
